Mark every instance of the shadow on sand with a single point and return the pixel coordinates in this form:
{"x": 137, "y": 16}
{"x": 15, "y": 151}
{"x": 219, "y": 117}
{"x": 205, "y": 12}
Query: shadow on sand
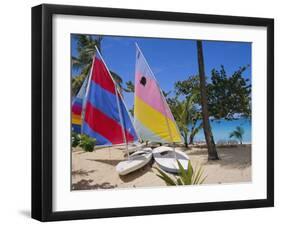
{"x": 231, "y": 157}
{"x": 88, "y": 185}
{"x": 138, "y": 173}
{"x": 112, "y": 162}
{"x": 82, "y": 172}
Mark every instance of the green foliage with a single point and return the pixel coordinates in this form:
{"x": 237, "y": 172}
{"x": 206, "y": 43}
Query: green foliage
{"x": 189, "y": 87}
{"x": 77, "y": 81}
{"x": 166, "y": 94}
{"x": 87, "y": 143}
{"x": 228, "y": 95}
{"x": 195, "y": 127}
{"x": 186, "y": 115}
{"x": 189, "y": 177}
{"x": 181, "y": 112}
{"x": 75, "y": 139}
{"x": 82, "y": 63}
{"x": 237, "y": 133}
{"x": 132, "y": 111}
{"x": 130, "y": 87}
{"x": 118, "y": 80}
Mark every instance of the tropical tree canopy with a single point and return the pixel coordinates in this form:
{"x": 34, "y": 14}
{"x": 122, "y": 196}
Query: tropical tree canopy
{"x": 86, "y": 47}
{"x": 184, "y": 113}
{"x": 130, "y": 87}
{"x": 228, "y": 96}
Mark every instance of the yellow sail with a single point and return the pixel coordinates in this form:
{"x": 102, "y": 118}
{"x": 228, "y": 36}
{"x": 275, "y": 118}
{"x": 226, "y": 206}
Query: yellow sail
{"x": 153, "y": 118}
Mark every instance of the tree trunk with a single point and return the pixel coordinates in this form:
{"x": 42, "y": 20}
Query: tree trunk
{"x": 212, "y": 152}
{"x": 191, "y": 138}
{"x": 185, "y": 140}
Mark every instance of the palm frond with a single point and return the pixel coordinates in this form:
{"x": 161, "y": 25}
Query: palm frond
{"x": 184, "y": 177}
{"x": 169, "y": 181}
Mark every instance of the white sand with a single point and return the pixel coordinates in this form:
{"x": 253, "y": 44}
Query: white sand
{"x": 96, "y": 170}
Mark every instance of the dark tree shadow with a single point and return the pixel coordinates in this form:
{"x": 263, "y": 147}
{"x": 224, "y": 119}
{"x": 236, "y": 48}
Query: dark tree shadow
{"x": 138, "y": 173}
{"x": 89, "y": 185}
{"x": 198, "y": 152}
{"x": 233, "y": 158}
{"x": 111, "y": 162}
{"x": 78, "y": 151}
{"x": 81, "y": 172}
{"x": 229, "y": 160}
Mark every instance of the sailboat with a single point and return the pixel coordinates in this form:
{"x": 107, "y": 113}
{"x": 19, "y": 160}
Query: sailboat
{"x": 104, "y": 116}
{"x": 153, "y": 119}
{"x": 76, "y": 107}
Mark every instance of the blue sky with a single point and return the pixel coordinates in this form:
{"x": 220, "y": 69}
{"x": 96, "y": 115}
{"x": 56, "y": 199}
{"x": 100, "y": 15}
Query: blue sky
{"x": 171, "y": 60}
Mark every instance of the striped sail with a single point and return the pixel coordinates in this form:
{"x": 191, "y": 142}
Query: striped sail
{"x": 76, "y": 108}
{"x": 106, "y": 118}
{"x": 152, "y": 116}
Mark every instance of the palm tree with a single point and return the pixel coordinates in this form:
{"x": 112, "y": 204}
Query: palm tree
{"x": 195, "y": 128}
{"x": 130, "y": 87}
{"x": 212, "y": 152}
{"x": 237, "y": 133}
{"x": 186, "y": 115}
{"x": 86, "y": 50}
{"x": 183, "y": 113}
{"x": 182, "y": 118}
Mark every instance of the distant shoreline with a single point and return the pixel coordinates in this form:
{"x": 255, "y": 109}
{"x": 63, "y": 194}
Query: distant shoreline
{"x": 221, "y": 130}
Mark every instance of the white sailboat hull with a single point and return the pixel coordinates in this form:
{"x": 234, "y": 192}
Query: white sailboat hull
{"x": 136, "y": 161}
{"x": 135, "y": 147}
{"x": 165, "y": 159}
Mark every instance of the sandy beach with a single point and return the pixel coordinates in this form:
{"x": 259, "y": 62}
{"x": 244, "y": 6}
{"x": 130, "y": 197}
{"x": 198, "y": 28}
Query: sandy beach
{"x": 96, "y": 170}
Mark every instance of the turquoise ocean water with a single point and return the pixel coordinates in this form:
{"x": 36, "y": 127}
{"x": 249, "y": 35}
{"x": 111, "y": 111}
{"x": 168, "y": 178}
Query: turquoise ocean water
{"x": 221, "y": 130}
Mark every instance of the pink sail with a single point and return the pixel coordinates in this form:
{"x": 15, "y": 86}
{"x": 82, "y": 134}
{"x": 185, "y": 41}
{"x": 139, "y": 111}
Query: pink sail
{"x": 152, "y": 116}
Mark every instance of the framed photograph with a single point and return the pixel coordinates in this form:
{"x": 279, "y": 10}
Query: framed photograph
{"x": 146, "y": 112}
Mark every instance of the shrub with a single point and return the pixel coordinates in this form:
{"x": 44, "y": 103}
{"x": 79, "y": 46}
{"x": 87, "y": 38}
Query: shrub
{"x": 87, "y": 143}
{"x": 75, "y": 139}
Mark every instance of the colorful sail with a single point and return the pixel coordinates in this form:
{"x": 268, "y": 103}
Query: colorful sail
{"x": 76, "y": 108}
{"x": 152, "y": 116}
{"x": 104, "y": 108}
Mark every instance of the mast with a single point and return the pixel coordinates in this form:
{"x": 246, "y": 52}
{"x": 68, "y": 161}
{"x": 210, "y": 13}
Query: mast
{"x": 118, "y": 103}
{"x": 162, "y": 98}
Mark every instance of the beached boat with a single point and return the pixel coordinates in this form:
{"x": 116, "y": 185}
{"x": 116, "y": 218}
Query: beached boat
{"x": 167, "y": 157}
{"x": 153, "y": 119}
{"x": 135, "y": 147}
{"x": 136, "y": 161}
{"x": 100, "y": 112}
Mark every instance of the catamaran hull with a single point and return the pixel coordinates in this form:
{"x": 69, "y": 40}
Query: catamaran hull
{"x": 135, "y": 147}
{"x": 137, "y": 160}
{"x": 166, "y": 160}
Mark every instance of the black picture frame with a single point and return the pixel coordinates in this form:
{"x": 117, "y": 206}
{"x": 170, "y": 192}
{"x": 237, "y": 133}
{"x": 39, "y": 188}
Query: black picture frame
{"x": 42, "y": 111}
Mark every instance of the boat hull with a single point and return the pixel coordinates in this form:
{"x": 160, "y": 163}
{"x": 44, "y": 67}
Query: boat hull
{"x": 166, "y": 158}
{"x": 135, "y": 147}
{"x": 136, "y": 161}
